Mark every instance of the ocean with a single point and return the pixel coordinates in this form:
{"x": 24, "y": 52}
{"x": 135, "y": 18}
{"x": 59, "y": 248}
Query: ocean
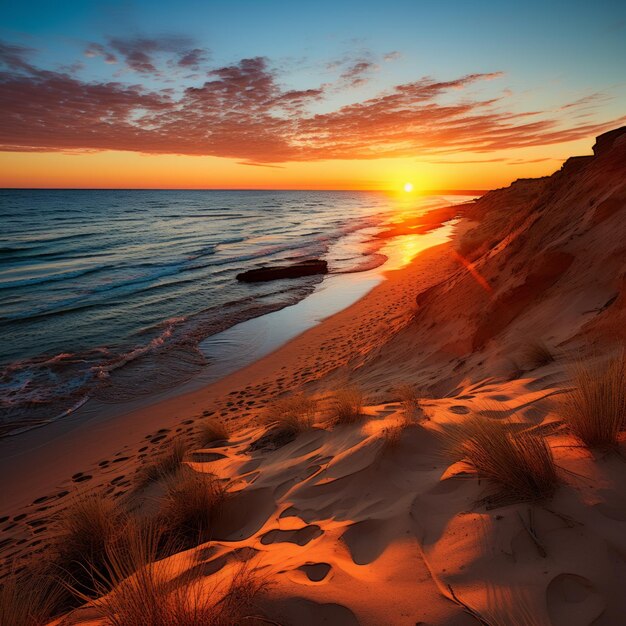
{"x": 108, "y": 294}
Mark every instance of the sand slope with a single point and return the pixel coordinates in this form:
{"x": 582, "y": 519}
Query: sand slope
{"x": 351, "y": 530}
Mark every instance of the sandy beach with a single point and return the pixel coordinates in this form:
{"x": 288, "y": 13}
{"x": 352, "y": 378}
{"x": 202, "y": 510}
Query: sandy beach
{"x": 373, "y": 520}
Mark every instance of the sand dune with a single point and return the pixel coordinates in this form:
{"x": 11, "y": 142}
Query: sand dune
{"x": 372, "y": 522}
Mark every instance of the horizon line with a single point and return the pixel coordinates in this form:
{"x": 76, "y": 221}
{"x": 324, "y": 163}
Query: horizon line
{"x": 422, "y": 192}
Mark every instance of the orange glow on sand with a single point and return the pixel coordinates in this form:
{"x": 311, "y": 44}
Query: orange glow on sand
{"x": 476, "y": 275}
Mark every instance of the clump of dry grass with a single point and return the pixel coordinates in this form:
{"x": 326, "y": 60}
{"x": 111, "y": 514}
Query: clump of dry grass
{"x": 347, "y": 406}
{"x": 409, "y": 400}
{"x": 537, "y": 354}
{"x": 84, "y": 530}
{"x": 192, "y": 505}
{"x": 211, "y": 431}
{"x": 138, "y": 591}
{"x": 293, "y": 414}
{"x": 519, "y": 464}
{"x": 169, "y": 459}
{"x": 595, "y": 411}
{"x": 28, "y": 598}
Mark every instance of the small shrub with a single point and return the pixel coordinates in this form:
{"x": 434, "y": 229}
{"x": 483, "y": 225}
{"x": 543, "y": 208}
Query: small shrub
{"x": 537, "y": 354}
{"x": 212, "y": 431}
{"x": 293, "y": 414}
{"x": 192, "y": 504}
{"x": 519, "y": 464}
{"x": 347, "y": 405}
{"x": 167, "y": 462}
{"x": 595, "y": 411}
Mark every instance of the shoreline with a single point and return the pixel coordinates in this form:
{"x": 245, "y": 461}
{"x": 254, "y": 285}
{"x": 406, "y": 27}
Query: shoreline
{"x": 42, "y": 461}
{"x": 79, "y": 449}
{"x": 170, "y": 360}
{"x": 436, "y": 461}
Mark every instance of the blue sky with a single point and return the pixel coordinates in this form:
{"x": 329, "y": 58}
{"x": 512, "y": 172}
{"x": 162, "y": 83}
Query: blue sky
{"x": 578, "y": 45}
{"x": 559, "y": 64}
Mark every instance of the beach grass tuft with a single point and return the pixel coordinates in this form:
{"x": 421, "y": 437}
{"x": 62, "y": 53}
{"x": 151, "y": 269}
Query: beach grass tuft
{"x": 409, "y": 400}
{"x": 83, "y": 532}
{"x": 28, "y": 597}
{"x": 537, "y": 354}
{"x": 211, "y": 431}
{"x": 520, "y": 464}
{"x": 167, "y": 461}
{"x": 292, "y": 415}
{"x": 595, "y": 410}
{"x": 137, "y": 589}
{"x": 192, "y": 504}
{"x": 347, "y": 405}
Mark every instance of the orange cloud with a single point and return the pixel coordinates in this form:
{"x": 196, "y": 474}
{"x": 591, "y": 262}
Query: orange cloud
{"x": 243, "y": 112}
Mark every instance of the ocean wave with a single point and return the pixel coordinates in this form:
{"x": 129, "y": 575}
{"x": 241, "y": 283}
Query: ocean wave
{"x": 169, "y": 257}
{"x": 51, "y": 278}
{"x": 371, "y": 261}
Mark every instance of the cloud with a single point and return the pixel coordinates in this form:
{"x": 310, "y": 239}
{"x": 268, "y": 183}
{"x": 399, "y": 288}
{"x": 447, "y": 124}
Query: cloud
{"x": 391, "y": 56}
{"x": 242, "y": 111}
{"x": 589, "y": 100}
{"x": 192, "y": 59}
{"x": 140, "y": 53}
{"x": 14, "y": 57}
{"x": 97, "y": 50}
{"x": 356, "y": 74}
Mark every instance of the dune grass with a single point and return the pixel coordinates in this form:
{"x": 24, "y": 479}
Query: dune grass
{"x": 293, "y": 414}
{"x": 537, "y": 354}
{"x": 211, "y": 431}
{"x": 347, "y": 406}
{"x": 167, "y": 461}
{"x": 28, "y": 598}
{"x": 192, "y": 504}
{"x": 83, "y": 531}
{"x": 519, "y": 464}
{"x": 409, "y": 400}
{"x": 138, "y": 590}
{"x": 57, "y": 580}
{"x": 595, "y": 411}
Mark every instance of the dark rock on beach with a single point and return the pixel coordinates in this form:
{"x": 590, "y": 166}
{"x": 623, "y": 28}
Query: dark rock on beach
{"x": 305, "y": 268}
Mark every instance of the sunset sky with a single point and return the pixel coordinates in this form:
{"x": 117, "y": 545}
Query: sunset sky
{"x": 334, "y": 95}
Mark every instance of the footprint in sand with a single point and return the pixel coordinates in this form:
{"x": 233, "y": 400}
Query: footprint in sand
{"x": 80, "y": 477}
{"x": 459, "y": 409}
{"x": 301, "y": 536}
{"x": 367, "y": 540}
{"x": 573, "y": 600}
{"x": 315, "y": 572}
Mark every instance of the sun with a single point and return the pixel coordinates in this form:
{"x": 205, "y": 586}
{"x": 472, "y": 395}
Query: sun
{"x": 408, "y": 187}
